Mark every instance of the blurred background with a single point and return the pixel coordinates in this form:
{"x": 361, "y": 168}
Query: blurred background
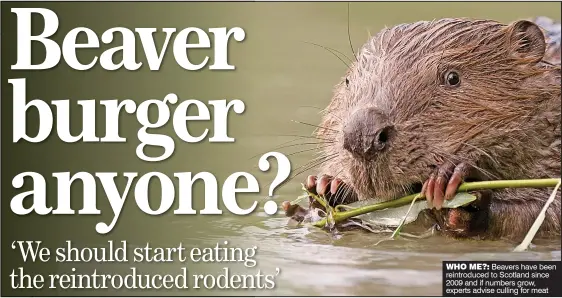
{"x": 281, "y": 77}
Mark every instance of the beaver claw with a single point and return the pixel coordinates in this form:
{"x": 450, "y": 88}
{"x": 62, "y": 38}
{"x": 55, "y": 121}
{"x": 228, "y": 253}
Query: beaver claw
{"x": 334, "y": 190}
{"x": 443, "y": 183}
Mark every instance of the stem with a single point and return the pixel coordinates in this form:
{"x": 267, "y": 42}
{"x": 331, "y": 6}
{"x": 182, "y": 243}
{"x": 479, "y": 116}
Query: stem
{"x": 468, "y": 186}
{"x": 399, "y": 228}
{"x": 538, "y": 222}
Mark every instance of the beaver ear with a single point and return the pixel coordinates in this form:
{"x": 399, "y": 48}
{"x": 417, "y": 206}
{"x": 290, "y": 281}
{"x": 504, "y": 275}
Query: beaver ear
{"x": 526, "y": 40}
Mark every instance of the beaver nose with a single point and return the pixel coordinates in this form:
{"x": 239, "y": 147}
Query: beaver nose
{"x": 367, "y": 133}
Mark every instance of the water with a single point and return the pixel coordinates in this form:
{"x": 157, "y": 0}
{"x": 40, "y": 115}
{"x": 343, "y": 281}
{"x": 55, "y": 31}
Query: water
{"x": 280, "y": 78}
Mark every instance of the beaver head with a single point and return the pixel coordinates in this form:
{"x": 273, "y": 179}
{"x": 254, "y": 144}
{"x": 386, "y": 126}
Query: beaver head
{"x": 421, "y": 94}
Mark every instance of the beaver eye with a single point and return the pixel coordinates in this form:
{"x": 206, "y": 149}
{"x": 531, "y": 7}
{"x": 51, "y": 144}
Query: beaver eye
{"x": 347, "y": 82}
{"x": 452, "y": 78}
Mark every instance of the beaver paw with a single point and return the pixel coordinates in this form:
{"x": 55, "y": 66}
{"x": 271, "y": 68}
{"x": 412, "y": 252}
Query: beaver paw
{"x": 443, "y": 183}
{"x": 466, "y": 221}
{"x": 334, "y": 190}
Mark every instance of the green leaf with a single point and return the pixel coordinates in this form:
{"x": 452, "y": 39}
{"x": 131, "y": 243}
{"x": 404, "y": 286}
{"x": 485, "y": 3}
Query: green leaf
{"x": 392, "y": 217}
{"x": 461, "y": 199}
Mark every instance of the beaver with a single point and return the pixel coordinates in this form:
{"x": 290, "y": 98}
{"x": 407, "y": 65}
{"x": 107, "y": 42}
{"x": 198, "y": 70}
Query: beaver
{"x": 429, "y": 105}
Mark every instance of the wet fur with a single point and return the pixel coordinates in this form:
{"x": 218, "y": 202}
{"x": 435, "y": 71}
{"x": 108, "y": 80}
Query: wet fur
{"x": 504, "y": 119}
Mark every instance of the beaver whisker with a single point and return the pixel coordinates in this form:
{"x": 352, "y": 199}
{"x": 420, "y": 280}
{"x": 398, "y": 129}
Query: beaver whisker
{"x": 284, "y": 145}
{"x": 302, "y": 137}
{"x": 323, "y": 111}
{"x": 302, "y": 144}
{"x": 415, "y": 188}
{"x": 310, "y": 165}
{"x": 307, "y": 150}
{"x": 341, "y": 197}
{"x": 349, "y": 35}
{"x": 341, "y": 192}
{"x": 316, "y": 162}
{"x": 320, "y": 159}
{"x": 317, "y": 126}
{"x": 331, "y": 51}
{"x": 486, "y": 173}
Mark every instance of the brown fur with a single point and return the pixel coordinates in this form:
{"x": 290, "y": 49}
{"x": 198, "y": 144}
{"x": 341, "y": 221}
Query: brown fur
{"x": 504, "y": 118}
